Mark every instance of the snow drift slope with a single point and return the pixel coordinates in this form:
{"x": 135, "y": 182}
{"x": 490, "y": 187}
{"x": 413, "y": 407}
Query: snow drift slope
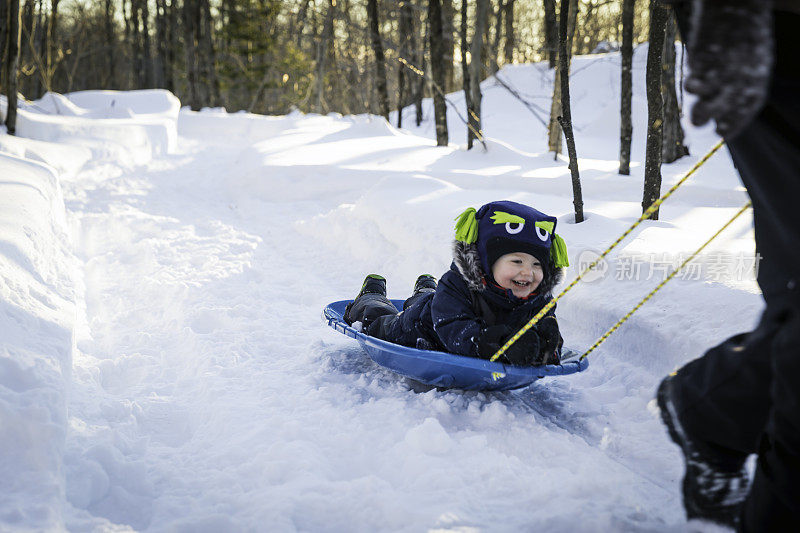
{"x": 37, "y": 310}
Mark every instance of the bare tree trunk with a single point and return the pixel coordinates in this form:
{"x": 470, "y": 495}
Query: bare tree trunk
{"x": 404, "y": 28}
{"x": 136, "y": 42}
{"x": 438, "y": 71}
{"x": 465, "y": 75}
{"x": 111, "y": 49}
{"x": 13, "y": 37}
{"x": 209, "y": 56}
{"x": 508, "y": 49}
{"x": 449, "y": 43}
{"x": 476, "y": 69}
{"x": 554, "y": 129}
{"x": 673, "y": 147}
{"x": 302, "y": 13}
{"x": 655, "y": 106}
{"x": 3, "y": 42}
{"x": 173, "y": 38}
{"x": 419, "y": 91}
{"x": 494, "y": 61}
{"x": 51, "y": 50}
{"x": 3, "y": 39}
{"x": 566, "y": 117}
{"x": 147, "y": 54}
{"x": 41, "y": 45}
{"x": 190, "y": 30}
{"x": 380, "y": 60}
{"x": 550, "y": 31}
{"x": 128, "y": 44}
{"x": 162, "y": 45}
{"x": 26, "y": 51}
{"x": 322, "y": 53}
{"x": 626, "y": 91}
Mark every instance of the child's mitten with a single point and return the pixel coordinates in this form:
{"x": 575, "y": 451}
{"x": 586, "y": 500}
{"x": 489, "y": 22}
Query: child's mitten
{"x": 525, "y": 350}
{"x": 491, "y": 339}
{"x": 550, "y": 337}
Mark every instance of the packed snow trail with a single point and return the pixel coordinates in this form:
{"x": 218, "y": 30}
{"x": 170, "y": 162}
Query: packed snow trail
{"x": 208, "y": 395}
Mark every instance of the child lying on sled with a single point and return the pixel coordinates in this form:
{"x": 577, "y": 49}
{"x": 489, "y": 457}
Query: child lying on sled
{"x": 507, "y": 260}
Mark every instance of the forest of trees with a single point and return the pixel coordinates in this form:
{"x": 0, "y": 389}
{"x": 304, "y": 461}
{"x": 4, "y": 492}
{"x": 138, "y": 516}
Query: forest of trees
{"x": 346, "y": 56}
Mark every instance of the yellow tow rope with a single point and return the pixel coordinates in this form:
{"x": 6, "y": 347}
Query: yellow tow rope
{"x": 658, "y": 287}
{"x": 649, "y": 211}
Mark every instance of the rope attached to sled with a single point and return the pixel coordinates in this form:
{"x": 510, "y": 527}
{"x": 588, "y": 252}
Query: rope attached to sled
{"x": 648, "y": 212}
{"x": 658, "y": 287}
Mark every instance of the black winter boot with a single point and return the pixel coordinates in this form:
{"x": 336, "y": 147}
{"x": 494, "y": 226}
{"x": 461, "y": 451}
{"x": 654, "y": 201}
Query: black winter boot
{"x": 373, "y": 284}
{"x": 425, "y": 283}
{"x": 370, "y": 303}
{"x": 714, "y": 485}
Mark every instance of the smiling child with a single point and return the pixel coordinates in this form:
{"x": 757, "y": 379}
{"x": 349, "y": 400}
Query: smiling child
{"x": 507, "y": 259}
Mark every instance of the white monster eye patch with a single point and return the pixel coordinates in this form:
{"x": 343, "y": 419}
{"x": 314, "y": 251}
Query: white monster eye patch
{"x": 543, "y": 229}
{"x": 541, "y": 233}
{"x": 514, "y": 227}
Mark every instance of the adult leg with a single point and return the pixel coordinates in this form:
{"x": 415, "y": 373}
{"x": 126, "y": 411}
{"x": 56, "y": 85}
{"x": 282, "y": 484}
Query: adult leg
{"x": 723, "y": 397}
{"x": 773, "y": 503}
{"x": 745, "y": 391}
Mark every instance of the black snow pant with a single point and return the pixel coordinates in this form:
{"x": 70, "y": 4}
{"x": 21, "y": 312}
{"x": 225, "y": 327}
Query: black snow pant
{"x": 377, "y": 314}
{"x": 743, "y": 396}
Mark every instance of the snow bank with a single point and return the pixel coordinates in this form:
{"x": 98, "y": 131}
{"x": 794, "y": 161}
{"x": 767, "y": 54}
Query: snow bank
{"x": 132, "y": 127}
{"x": 66, "y": 159}
{"x": 37, "y": 315}
{"x": 218, "y": 123}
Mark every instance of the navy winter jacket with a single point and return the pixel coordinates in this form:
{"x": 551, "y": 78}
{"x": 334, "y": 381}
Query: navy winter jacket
{"x": 467, "y": 322}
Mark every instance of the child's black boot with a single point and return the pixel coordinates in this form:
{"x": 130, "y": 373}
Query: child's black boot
{"x": 425, "y": 284}
{"x": 370, "y": 303}
{"x": 715, "y": 484}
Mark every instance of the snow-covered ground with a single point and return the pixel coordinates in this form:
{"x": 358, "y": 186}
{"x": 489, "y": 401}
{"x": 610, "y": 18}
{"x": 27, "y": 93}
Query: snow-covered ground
{"x": 164, "y": 367}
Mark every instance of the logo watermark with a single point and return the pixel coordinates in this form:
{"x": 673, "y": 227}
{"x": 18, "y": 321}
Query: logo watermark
{"x": 711, "y": 266}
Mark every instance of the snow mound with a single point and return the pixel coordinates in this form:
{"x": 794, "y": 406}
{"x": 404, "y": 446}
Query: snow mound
{"x": 37, "y": 315}
{"x": 134, "y": 126}
{"x": 67, "y": 159}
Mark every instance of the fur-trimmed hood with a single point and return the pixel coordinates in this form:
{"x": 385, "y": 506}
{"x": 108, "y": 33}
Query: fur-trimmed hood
{"x": 468, "y": 261}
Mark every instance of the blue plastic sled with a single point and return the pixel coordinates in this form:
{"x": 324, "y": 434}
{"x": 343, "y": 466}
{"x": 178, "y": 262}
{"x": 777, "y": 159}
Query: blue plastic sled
{"x": 442, "y": 369}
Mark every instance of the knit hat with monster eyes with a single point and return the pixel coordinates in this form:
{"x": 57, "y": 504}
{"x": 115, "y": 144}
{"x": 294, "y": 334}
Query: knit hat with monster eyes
{"x": 500, "y": 228}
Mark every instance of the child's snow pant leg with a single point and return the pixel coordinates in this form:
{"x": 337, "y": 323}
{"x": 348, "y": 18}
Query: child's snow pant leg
{"x": 367, "y": 308}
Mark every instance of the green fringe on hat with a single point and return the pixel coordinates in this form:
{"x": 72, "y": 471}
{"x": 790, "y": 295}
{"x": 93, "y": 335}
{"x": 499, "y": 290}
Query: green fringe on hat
{"x": 558, "y": 252}
{"x": 467, "y": 226}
